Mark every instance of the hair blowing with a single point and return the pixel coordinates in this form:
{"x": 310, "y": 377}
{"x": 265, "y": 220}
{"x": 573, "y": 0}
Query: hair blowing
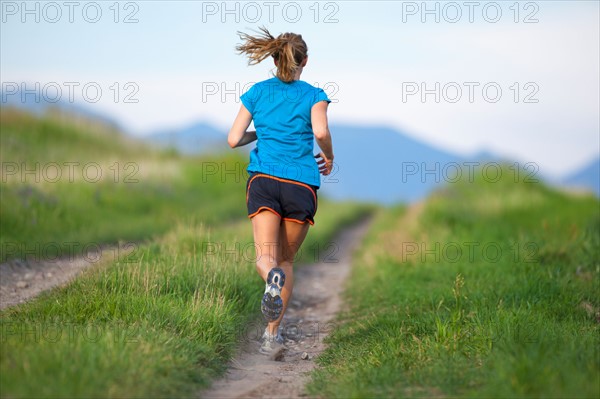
{"x": 288, "y": 50}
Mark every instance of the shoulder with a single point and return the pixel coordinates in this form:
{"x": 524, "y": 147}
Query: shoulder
{"x": 305, "y": 85}
{"x": 310, "y": 89}
{"x": 314, "y": 93}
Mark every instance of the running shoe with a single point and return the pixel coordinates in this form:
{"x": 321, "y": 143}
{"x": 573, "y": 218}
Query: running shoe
{"x": 271, "y": 343}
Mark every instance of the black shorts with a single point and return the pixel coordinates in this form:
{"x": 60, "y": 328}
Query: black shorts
{"x": 289, "y": 199}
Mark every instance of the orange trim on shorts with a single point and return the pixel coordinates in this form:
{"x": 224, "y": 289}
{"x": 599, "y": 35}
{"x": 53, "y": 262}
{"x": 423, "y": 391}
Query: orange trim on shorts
{"x": 281, "y": 180}
{"x": 299, "y": 221}
{"x": 266, "y": 208}
{"x": 263, "y": 208}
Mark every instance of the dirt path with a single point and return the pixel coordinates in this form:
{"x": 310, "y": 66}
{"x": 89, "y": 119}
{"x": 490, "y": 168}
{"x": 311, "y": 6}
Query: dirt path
{"x": 309, "y": 318}
{"x": 22, "y": 280}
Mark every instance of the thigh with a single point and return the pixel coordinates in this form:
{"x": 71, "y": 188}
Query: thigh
{"x": 266, "y": 228}
{"x": 291, "y": 237}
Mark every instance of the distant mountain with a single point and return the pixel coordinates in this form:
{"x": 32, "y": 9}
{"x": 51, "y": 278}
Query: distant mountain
{"x": 587, "y": 177}
{"x": 198, "y": 138}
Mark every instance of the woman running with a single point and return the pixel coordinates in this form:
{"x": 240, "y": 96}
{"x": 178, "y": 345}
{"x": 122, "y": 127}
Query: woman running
{"x": 281, "y": 192}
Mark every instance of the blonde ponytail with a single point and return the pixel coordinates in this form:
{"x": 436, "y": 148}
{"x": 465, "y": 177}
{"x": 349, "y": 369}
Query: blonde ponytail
{"x": 288, "y": 50}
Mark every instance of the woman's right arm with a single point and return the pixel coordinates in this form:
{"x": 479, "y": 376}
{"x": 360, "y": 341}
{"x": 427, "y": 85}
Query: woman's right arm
{"x": 318, "y": 116}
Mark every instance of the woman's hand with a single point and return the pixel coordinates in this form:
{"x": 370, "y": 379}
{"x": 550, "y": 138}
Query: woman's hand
{"x": 325, "y": 164}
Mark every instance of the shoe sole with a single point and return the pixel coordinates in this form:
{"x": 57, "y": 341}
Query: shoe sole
{"x": 272, "y": 305}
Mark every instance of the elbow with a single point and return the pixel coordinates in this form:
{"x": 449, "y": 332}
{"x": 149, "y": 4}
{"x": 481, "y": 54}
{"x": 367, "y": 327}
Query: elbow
{"x": 232, "y": 143}
{"x": 321, "y": 134}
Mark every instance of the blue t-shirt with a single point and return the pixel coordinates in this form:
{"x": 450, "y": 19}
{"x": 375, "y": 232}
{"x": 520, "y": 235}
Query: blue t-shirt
{"x": 281, "y": 113}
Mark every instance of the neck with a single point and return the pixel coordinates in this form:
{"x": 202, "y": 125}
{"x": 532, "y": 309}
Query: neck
{"x": 298, "y": 73}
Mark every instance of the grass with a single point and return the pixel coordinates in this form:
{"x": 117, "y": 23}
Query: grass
{"x": 155, "y": 324}
{"x": 160, "y": 321}
{"x": 490, "y": 291}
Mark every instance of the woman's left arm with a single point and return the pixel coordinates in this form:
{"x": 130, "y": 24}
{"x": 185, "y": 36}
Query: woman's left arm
{"x": 238, "y": 136}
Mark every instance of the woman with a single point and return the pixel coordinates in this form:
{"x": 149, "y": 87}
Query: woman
{"x": 281, "y": 192}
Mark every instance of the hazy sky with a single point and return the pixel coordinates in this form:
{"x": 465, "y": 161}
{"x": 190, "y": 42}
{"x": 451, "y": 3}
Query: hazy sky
{"x": 518, "y": 78}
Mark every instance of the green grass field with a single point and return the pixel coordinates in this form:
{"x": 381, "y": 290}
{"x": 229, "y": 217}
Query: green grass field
{"x": 160, "y": 320}
{"x": 488, "y": 290}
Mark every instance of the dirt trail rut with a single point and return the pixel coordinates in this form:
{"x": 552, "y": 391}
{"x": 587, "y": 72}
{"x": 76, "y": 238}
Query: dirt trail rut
{"x": 308, "y": 320}
{"x": 22, "y": 280}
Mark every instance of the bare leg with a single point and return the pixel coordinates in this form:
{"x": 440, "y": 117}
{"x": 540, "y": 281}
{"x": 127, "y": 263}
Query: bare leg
{"x": 291, "y": 236}
{"x": 277, "y": 243}
{"x": 266, "y": 226}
